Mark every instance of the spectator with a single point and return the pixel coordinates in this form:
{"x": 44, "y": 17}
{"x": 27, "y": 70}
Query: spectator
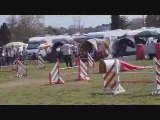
{"x": 24, "y": 54}
{"x": 18, "y": 54}
{"x": 3, "y": 57}
{"x": 6, "y": 57}
{"x": 9, "y": 56}
{"x": 67, "y": 53}
{"x": 13, "y": 49}
{"x": 150, "y": 50}
{"x": 59, "y": 54}
{"x": 158, "y": 41}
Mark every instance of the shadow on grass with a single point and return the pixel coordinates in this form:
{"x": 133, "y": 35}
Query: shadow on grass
{"x": 98, "y": 94}
{"x": 137, "y": 96}
{"x": 74, "y": 80}
{"x": 51, "y": 85}
{"x": 46, "y": 85}
{"x": 93, "y": 94}
{"x": 98, "y": 73}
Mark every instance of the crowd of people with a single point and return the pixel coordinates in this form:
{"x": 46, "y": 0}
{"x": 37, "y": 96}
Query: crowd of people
{"x": 9, "y": 55}
{"x": 67, "y": 52}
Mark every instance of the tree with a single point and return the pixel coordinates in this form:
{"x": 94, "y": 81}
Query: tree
{"x": 31, "y": 24}
{"x": 77, "y": 26}
{"x": 25, "y": 26}
{"x": 5, "y": 35}
{"x": 115, "y": 22}
{"x": 124, "y": 22}
{"x": 50, "y": 30}
{"x": 62, "y": 30}
{"x": 77, "y": 22}
{"x": 152, "y": 20}
{"x": 136, "y": 23}
{"x": 12, "y": 23}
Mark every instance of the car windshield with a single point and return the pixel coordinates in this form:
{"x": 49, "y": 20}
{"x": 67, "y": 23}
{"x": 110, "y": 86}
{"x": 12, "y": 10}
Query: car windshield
{"x": 34, "y": 45}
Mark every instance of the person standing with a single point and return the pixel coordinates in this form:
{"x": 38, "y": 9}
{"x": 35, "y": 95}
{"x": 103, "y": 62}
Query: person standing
{"x": 13, "y": 52}
{"x": 9, "y": 57}
{"x": 67, "y": 53}
{"x": 150, "y": 50}
{"x": 158, "y": 41}
{"x": 18, "y": 54}
{"x": 24, "y": 54}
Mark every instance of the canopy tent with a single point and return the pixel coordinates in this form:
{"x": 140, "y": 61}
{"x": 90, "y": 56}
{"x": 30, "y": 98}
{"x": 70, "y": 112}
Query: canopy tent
{"x": 139, "y": 40}
{"x": 147, "y": 33}
{"x": 15, "y": 44}
{"x": 158, "y": 36}
{"x": 156, "y": 29}
{"x": 134, "y": 32}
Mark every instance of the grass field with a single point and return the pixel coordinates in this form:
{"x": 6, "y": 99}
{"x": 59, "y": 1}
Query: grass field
{"x": 35, "y": 89}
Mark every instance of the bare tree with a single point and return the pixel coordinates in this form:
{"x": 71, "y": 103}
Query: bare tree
{"x": 152, "y": 20}
{"x": 12, "y": 23}
{"x": 77, "y": 23}
{"x": 25, "y": 26}
{"x": 32, "y": 23}
{"x": 136, "y": 23}
{"x": 124, "y": 22}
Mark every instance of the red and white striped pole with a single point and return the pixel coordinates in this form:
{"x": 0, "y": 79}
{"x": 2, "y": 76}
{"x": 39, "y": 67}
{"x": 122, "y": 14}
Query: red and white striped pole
{"x": 26, "y": 71}
{"x": 58, "y": 69}
{"x": 112, "y": 84}
{"x": 17, "y": 65}
{"x": 79, "y": 68}
{"x": 88, "y": 64}
{"x": 156, "y": 76}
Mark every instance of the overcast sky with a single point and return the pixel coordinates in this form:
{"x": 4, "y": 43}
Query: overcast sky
{"x": 67, "y": 20}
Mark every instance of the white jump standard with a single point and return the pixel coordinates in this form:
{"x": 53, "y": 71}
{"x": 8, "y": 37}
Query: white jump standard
{"x": 112, "y": 84}
{"x": 40, "y": 62}
{"x": 21, "y": 69}
{"x": 55, "y": 74}
{"x": 156, "y": 77}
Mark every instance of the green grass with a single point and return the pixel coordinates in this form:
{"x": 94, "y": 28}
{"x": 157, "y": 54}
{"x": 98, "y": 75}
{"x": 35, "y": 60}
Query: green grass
{"x": 35, "y": 89}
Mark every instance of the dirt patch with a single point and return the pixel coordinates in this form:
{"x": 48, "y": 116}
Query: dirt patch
{"x": 23, "y": 82}
{"x": 33, "y": 82}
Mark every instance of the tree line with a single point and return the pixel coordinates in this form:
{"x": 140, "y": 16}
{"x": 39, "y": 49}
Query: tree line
{"x": 122, "y": 22}
{"x": 22, "y": 27}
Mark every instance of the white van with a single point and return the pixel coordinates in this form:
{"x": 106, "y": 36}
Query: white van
{"x": 33, "y": 45}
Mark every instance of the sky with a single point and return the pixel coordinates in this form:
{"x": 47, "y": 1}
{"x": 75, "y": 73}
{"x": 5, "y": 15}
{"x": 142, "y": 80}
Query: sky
{"x": 67, "y": 20}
